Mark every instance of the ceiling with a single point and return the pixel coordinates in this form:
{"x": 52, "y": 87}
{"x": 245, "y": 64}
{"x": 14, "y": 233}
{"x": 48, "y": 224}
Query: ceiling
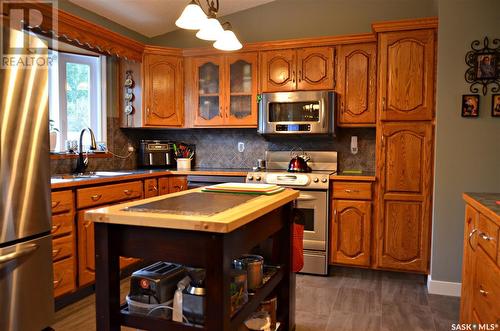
{"x": 155, "y": 17}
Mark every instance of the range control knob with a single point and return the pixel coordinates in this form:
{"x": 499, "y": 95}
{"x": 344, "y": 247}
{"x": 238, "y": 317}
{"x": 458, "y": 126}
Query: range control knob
{"x": 316, "y": 180}
{"x": 257, "y": 178}
{"x": 250, "y": 177}
{"x": 324, "y": 180}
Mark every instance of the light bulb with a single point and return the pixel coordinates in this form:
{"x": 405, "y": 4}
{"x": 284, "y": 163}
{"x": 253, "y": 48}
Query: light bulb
{"x": 210, "y": 30}
{"x": 228, "y": 42}
{"x": 192, "y": 17}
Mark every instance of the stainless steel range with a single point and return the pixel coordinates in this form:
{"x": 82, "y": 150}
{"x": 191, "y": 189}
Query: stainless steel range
{"x": 313, "y": 202}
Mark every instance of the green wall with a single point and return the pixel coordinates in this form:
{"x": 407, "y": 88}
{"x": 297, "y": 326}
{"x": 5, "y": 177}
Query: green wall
{"x": 288, "y": 19}
{"x": 97, "y": 19}
{"x": 467, "y": 149}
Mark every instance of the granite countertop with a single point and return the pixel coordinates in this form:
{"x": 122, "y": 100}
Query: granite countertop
{"x": 222, "y": 220}
{"x": 485, "y": 202}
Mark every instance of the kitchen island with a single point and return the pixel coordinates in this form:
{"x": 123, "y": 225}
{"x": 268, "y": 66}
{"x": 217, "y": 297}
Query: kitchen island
{"x": 197, "y": 229}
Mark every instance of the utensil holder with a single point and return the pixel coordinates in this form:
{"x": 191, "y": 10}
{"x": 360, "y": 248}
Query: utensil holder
{"x": 183, "y": 164}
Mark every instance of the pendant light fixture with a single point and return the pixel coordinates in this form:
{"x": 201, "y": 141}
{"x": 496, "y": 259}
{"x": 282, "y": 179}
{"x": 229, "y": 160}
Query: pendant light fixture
{"x": 228, "y": 41}
{"x": 194, "y": 17}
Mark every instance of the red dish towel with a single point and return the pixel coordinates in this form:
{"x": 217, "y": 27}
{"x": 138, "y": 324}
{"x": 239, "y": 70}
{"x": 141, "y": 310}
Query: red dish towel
{"x": 298, "y": 247}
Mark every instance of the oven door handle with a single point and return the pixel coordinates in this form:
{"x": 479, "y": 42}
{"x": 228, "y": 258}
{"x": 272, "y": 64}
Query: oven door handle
{"x": 305, "y": 197}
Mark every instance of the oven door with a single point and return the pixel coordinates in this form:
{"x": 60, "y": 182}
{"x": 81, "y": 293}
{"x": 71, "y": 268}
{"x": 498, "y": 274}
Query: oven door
{"x": 313, "y": 206}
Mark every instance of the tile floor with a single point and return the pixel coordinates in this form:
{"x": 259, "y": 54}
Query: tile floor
{"x": 348, "y": 300}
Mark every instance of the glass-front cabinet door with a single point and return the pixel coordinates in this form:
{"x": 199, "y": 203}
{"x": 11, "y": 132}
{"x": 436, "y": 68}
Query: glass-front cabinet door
{"x": 210, "y": 107}
{"x": 241, "y": 101}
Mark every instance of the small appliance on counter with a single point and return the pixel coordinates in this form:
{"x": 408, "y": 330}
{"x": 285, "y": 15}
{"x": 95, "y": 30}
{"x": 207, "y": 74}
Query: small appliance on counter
{"x": 153, "y": 287}
{"x": 189, "y": 299}
{"x": 156, "y": 154}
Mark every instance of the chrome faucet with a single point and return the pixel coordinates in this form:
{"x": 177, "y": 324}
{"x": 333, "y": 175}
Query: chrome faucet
{"x": 82, "y": 163}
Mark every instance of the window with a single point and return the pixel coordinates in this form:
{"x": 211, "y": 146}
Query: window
{"x": 77, "y": 96}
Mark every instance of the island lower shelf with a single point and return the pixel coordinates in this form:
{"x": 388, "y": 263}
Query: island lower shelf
{"x": 212, "y": 251}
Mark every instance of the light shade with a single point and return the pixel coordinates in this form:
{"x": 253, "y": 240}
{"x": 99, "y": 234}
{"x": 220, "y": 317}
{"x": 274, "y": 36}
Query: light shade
{"x": 210, "y": 30}
{"x": 192, "y": 18}
{"x": 228, "y": 42}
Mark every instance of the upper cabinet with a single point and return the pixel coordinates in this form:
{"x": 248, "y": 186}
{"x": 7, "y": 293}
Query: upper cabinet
{"x": 297, "y": 69}
{"x": 356, "y": 72}
{"x": 224, "y": 90}
{"x": 163, "y": 90}
{"x": 406, "y": 71}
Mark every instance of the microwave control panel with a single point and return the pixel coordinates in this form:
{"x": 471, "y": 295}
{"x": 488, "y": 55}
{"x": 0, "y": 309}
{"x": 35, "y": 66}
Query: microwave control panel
{"x": 293, "y": 127}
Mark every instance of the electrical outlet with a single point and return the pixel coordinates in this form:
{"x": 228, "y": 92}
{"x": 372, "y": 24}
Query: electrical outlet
{"x": 241, "y": 147}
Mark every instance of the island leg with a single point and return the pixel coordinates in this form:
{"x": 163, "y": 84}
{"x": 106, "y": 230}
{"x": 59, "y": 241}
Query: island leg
{"x": 107, "y": 278}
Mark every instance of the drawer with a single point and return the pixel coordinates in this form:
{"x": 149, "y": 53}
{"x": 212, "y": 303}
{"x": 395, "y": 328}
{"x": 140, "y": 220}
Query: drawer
{"x": 106, "y": 194}
{"x": 487, "y": 236}
{"x": 352, "y": 190}
{"x": 62, "y": 202}
{"x": 163, "y": 186}
{"x": 62, "y": 247}
{"x": 150, "y": 188}
{"x": 64, "y": 276}
{"x": 486, "y": 291}
{"x": 177, "y": 184}
{"x": 62, "y": 224}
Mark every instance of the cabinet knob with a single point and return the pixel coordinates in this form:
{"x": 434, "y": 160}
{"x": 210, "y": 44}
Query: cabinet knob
{"x": 482, "y": 291}
{"x": 55, "y": 204}
{"x": 383, "y": 104}
{"x": 96, "y": 197}
{"x": 55, "y": 252}
{"x": 351, "y": 191}
{"x": 484, "y": 236}
{"x": 470, "y": 238}
{"x": 127, "y": 192}
{"x": 335, "y": 215}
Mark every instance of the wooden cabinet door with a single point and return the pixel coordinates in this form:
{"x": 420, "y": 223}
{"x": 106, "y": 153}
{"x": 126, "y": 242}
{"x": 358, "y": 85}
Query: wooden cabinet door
{"x": 356, "y": 84}
{"x": 468, "y": 264}
{"x": 241, "y": 96}
{"x": 177, "y": 184}
{"x": 150, "y": 187}
{"x": 406, "y": 75}
{"x": 278, "y": 70}
{"x": 209, "y": 91}
{"x": 86, "y": 250}
{"x": 163, "y": 90}
{"x": 350, "y": 233}
{"x": 163, "y": 185}
{"x": 405, "y": 192}
{"x": 315, "y": 68}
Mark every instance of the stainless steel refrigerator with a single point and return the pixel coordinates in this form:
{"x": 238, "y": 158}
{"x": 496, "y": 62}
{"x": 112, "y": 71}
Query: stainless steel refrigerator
{"x": 26, "y": 280}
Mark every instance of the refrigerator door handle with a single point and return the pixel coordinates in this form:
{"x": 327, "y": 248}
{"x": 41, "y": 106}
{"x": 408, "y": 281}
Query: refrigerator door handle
{"x": 24, "y": 250}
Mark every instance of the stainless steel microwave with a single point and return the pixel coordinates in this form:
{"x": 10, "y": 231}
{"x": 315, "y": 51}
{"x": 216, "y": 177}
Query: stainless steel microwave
{"x": 300, "y": 112}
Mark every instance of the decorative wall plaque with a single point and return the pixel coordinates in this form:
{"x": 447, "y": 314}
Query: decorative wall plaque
{"x": 484, "y": 66}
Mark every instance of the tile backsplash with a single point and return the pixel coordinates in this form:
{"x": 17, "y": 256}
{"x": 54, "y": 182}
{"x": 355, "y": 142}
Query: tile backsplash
{"x": 218, "y": 148}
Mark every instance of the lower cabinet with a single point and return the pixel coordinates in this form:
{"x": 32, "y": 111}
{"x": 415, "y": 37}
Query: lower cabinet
{"x": 150, "y": 187}
{"x": 351, "y": 223}
{"x": 177, "y": 184}
{"x": 351, "y": 232}
{"x": 64, "y": 276}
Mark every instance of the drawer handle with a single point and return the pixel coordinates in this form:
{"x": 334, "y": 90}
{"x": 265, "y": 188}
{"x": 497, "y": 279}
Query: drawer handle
{"x": 127, "y": 192}
{"x": 57, "y": 282}
{"x": 351, "y": 191}
{"x": 55, "y": 204}
{"x": 153, "y": 188}
{"x": 484, "y": 236}
{"x": 335, "y": 215}
{"x": 483, "y": 292}
{"x": 55, "y": 252}
{"x": 96, "y": 197}
{"x": 179, "y": 187}
{"x": 470, "y": 238}
{"x": 55, "y": 227}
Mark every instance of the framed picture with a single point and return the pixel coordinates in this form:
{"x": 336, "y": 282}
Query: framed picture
{"x": 470, "y": 105}
{"x": 495, "y": 105}
{"x": 486, "y": 66}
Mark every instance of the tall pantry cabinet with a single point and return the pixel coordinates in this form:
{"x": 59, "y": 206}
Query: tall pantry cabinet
{"x": 405, "y": 136}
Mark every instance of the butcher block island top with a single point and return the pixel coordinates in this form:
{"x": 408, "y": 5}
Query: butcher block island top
{"x": 193, "y": 210}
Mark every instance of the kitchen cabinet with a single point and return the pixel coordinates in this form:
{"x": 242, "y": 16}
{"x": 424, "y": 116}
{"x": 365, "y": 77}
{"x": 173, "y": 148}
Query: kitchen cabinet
{"x": 406, "y": 70}
{"x": 351, "y": 223}
{"x": 224, "y": 90}
{"x": 63, "y": 243}
{"x": 297, "y": 69}
{"x": 480, "y": 297}
{"x": 177, "y": 184}
{"x": 163, "y": 90}
{"x": 405, "y": 193}
{"x": 356, "y": 84}
{"x": 150, "y": 187}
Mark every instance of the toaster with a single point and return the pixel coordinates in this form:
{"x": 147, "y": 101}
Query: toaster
{"x": 156, "y": 283}
{"x": 156, "y": 154}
